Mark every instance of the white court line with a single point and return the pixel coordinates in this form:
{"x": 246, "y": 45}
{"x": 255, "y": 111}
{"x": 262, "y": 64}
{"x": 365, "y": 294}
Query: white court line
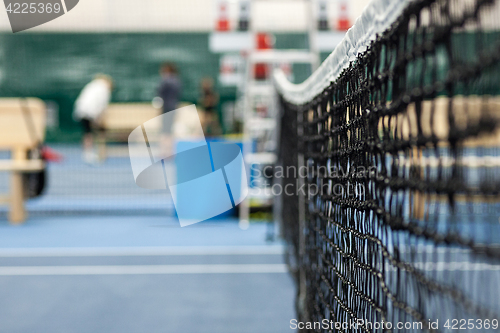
{"x": 456, "y": 266}
{"x": 205, "y": 269}
{"x": 141, "y": 251}
{"x": 64, "y": 6}
{"x": 141, "y": 269}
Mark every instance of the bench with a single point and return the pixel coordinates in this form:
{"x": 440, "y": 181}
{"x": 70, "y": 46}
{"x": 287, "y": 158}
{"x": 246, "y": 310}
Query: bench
{"x": 467, "y": 110}
{"x": 120, "y": 119}
{"x": 15, "y": 136}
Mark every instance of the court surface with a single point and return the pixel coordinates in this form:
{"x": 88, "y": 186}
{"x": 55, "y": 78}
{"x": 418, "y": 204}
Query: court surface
{"x": 141, "y": 274}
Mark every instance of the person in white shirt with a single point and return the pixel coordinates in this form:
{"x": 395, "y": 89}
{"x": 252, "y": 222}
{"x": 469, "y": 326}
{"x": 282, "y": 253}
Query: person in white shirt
{"x": 89, "y": 106}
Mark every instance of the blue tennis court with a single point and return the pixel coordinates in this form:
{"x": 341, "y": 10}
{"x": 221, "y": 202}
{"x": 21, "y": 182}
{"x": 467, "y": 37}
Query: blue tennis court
{"x": 137, "y": 274}
{"x": 249, "y": 166}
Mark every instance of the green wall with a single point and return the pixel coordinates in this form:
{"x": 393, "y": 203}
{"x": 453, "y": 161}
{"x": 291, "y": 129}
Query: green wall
{"x": 56, "y": 66}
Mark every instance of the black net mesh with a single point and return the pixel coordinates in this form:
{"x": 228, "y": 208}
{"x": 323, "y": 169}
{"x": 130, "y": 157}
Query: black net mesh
{"x": 400, "y": 222}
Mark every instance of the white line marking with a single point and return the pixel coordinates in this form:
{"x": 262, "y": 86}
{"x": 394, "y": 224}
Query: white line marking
{"x": 141, "y": 269}
{"x": 64, "y": 6}
{"x": 456, "y": 266}
{"x": 141, "y": 251}
{"x": 440, "y": 250}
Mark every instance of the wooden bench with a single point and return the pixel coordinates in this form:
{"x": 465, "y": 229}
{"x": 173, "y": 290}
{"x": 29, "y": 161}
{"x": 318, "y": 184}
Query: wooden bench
{"x": 467, "y": 110}
{"x": 120, "y": 119}
{"x": 16, "y": 136}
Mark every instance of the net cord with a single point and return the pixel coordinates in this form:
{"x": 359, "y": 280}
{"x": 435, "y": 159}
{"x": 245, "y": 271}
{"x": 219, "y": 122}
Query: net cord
{"x": 377, "y": 17}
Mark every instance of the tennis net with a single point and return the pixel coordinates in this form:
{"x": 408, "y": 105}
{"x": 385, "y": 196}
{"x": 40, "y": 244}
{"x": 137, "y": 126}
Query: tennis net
{"x": 395, "y": 226}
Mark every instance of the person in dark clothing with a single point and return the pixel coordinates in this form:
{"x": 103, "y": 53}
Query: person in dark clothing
{"x": 170, "y": 87}
{"x": 169, "y": 91}
{"x": 209, "y": 100}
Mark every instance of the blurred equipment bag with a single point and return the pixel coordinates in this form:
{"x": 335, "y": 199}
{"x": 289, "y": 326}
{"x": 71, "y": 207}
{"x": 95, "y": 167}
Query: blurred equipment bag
{"x": 34, "y": 182}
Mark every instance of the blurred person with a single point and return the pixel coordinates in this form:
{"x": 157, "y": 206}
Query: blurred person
{"x": 209, "y": 100}
{"x": 170, "y": 87}
{"x": 89, "y": 107}
{"x": 169, "y": 91}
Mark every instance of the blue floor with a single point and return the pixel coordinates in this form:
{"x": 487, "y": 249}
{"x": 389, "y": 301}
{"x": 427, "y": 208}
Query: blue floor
{"x": 111, "y": 231}
{"x": 197, "y": 301}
